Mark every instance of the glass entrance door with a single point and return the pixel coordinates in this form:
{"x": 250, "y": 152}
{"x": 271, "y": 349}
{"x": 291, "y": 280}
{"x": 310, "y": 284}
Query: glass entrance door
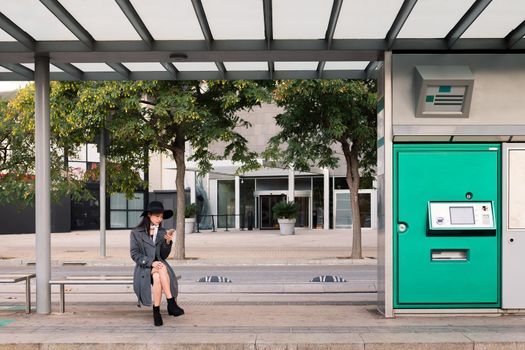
{"x": 304, "y": 211}
{"x": 266, "y": 203}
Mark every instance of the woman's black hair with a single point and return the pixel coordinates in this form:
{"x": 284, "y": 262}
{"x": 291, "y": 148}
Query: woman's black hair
{"x": 146, "y": 222}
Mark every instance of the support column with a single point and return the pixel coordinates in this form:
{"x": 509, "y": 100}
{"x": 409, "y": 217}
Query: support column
{"x": 237, "y": 202}
{"x": 291, "y": 185}
{"x": 42, "y": 186}
{"x": 102, "y": 192}
{"x": 326, "y": 199}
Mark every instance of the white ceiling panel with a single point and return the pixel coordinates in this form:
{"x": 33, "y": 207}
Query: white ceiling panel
{"x": 246, "y": 66}
{"x": 93, "y": 67}
{"x": 235, "y": 19}
{"x": 498, "y": 19}
{"x": 35, "y": 19}
{"x": 169, "y": 19}
{"x": 5, "y": 37}
{"x": 144, "y": 66}
{"x": 103, "y": 19}
{"x": 196, "y": 66}
{"x": 299, "y": 19}
{"x": 52, "y": 68}
{"x": 296, "y": 65}
{"x": 366, "y": 19}
{"x": 434, "y": 18}
{"x": 346, "y": 65}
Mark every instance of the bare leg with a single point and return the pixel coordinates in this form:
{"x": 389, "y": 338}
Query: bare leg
{"x": 157, "y": 288}
{"x": 165, "y": 281}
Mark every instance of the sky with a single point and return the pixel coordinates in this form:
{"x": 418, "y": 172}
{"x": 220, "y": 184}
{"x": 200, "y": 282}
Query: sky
{"x": 11, "y": 85}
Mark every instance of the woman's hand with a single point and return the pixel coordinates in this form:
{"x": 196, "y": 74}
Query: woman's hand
{"x": 169, "y": 235}
{"x": 157, "y": 265}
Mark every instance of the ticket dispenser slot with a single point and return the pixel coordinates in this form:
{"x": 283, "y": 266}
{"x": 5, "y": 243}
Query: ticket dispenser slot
{"x": 461, "y": 218}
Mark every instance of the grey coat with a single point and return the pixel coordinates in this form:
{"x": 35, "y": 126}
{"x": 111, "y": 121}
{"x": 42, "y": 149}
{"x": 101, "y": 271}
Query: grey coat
{"x": 143, "y": 253}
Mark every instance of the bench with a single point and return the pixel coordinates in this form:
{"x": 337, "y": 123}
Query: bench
{"x": 89, "y": 280}
{"x": 15, "y": 278}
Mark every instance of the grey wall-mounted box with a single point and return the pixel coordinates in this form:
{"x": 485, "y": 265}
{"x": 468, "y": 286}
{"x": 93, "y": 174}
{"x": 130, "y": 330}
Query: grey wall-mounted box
{"x": 443, "y": 91}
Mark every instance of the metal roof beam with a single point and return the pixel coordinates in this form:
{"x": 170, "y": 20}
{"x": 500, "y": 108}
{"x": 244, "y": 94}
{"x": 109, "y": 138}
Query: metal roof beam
{"x": 70, "y": 22}
{"x": 16, "y": 32}
{"x": 468, "y": 18}
{"x": 371, "y": 69}
{"x": 71, "y": 70}
{"x": 203, "y": 21}
{"x": 136, "y": 21}
{"x": 268, "y": 23}
{"x": 329, "y": 36}
{"x": 516, "y": 35}
{"x": 120, "y": 69}
{"x": 400, "y": 20}
{"x": 19, "y": 69}
{"x": 170, "y": 68}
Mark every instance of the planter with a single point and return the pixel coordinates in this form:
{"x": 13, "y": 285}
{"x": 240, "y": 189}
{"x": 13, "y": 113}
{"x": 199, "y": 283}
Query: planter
{"x": 189, "y": 225}
{"x": 286, "y": 226}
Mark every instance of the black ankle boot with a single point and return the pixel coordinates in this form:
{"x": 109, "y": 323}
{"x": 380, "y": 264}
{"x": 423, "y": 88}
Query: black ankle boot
{"x": 174, "y": 309}
{"x": 157, "y": 318}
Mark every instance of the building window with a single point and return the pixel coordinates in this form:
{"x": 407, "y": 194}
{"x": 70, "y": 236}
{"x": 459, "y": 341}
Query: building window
{"x": 125, "y": 213}
{"x": 226, "y": 203}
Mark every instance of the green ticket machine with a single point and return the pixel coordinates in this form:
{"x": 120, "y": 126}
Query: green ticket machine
{"x": 446, "y": 231}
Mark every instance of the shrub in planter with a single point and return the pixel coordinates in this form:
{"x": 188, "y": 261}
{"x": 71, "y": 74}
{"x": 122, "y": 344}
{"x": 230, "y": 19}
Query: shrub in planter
{"x": 285, "y": 213}
{"x": 189, "y": 213}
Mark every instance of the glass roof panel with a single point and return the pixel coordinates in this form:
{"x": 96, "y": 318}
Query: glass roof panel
{"x": 235, "y": 19}
{"x": 6, "y": 86}
{"x": 498, "y": 20}
{"x": 196, "y": 66}
{"x": 246, "y": 66}
{"x": 93, "y": 67}
{"x": 102, "y": 19}
{"x": 299, "y": 19}
{"x": 144, "y": 66}
{"x": 366, "y": 19}
{"x": 5, "y": 37}
{"x": 52, "y": 68}
{"x": 345, "y": 65}
{"x": 169, "y": 19}
{"x": 24, "y": 13}
{"x": 296, "y": 65}
{"x": 4, "y": 70}
{"x": 434, "y": 19}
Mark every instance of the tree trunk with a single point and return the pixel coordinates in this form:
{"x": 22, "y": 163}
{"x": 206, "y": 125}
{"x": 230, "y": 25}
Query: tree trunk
{"x": 352, "y": 179}
{"x": 180, "y": 249}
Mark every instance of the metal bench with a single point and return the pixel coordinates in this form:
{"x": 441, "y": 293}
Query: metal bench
{"x": 89, "y": 280}
{"x": 18, "y": 277}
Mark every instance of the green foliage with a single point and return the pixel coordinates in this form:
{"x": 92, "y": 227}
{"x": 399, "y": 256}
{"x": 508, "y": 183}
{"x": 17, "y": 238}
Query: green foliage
{"x": 319, "y": 114}
{"x": 285, "y": 210}
{"x": 190, "y": 210}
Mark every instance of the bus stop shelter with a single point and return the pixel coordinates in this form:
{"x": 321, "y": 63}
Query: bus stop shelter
{"x": 44, "y": 40}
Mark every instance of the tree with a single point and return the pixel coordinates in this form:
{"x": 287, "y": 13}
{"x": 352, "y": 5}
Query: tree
{"x": 320, "y": 114}
{"x": 17, "y": 159}
{"x": 165, "y": 115}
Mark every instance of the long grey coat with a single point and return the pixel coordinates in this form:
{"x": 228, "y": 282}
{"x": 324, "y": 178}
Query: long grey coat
{"x": 143, "y": 253}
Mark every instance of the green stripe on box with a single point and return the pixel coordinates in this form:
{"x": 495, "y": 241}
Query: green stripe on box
{"x": 381, "y": 142}
{"x": 380, "y": 104}
{"x": 5, "y": 322}
{"x": 429, "y": 98}
{"x": 445, "y": 88}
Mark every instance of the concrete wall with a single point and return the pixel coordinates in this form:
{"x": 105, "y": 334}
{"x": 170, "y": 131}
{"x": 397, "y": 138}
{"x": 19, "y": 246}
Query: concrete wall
{"x": 499, "y": 82}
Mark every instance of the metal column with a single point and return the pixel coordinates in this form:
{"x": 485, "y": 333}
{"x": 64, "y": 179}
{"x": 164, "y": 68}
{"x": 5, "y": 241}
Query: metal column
{"x": 102, "y": 192}
{"x": 291, "y": 185}
{"x": 326, "y": 199}
{"x": 237, "y": 202}
{"x": 42, "y": 186}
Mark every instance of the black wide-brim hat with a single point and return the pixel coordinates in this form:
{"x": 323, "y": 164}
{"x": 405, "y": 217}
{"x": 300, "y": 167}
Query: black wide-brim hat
{"x": 157, "y": 207}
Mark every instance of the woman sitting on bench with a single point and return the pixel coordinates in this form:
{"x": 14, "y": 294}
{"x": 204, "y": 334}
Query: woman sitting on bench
{"x": 150, "y": 245}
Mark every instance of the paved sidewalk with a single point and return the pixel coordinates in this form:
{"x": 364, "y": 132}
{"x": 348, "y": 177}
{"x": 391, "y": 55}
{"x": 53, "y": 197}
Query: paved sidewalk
{"x": 205, "y": 248}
